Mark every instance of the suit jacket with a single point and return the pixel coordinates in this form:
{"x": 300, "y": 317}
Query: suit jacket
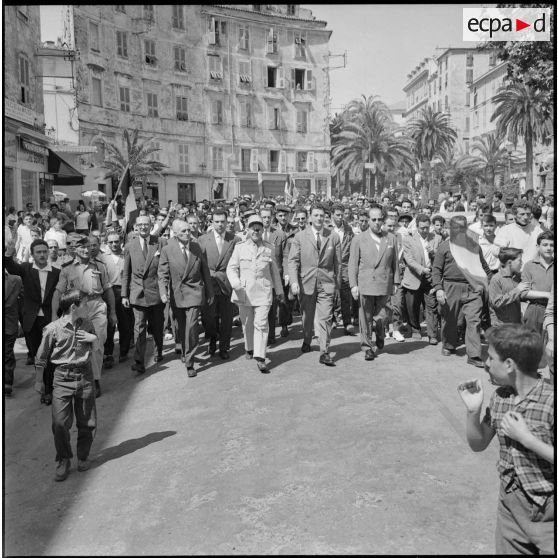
{"x": 218, "y": 263}
{"x": 415, "y": 263}
{"x": 13, "y": 288}
{"x": 32, "y": 301}
{"x": 374, "y": 271}
{"x": 307, "y": 267}
{"x": 279, "y": 240}
{"x": 348, "y": 235}
{"x": 140, "y": 282}
{"x": 190, "y": 281}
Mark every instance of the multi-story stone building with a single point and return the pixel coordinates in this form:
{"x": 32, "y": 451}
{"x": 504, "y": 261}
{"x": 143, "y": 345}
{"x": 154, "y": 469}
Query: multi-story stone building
{"x": 235, "y": 96}
{"x": 26, "y": 177}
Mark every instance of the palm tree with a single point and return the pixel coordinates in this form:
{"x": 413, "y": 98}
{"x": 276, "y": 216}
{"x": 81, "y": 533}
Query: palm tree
{"x": 521, "y": 111}
{"x": 368, "y": 135}
{"x": 139, "y": 156}
{"x": 433, "y": 136}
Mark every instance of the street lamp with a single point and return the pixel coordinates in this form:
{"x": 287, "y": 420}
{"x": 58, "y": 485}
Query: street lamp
{"x": 509, "y": 149}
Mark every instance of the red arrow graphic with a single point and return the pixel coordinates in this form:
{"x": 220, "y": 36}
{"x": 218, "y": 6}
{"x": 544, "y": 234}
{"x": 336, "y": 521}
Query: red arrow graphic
{"x": 519, "y": 25}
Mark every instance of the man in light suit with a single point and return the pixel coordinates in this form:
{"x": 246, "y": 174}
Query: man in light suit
{"x": 254, "y": 274}
{"x": 418, "y": 253}
{"x": 217, "y": 246}
{"x": 183, "y": 268}
{"x": 343, "y": 302}
{"x": 140, "y": 289}
{"x": 278, "y": 239}
{"x": 315, "y": 273}
{"x": 373, "y": 277}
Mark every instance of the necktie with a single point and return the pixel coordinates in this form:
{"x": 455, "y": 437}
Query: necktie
{"x": 184, "y": 251}
{"x": 266, "y": 236}
{"x": 144, "y": 249}
{"x": 318, "y": 242}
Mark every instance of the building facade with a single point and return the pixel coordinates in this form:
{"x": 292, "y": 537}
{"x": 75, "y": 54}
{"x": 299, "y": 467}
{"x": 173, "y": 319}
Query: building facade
{"x": 233, "y": 95}
{"x": 26, "y": 177}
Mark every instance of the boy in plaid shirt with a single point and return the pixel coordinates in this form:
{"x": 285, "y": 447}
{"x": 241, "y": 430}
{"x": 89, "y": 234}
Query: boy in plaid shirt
{"x": 521, "y": 414}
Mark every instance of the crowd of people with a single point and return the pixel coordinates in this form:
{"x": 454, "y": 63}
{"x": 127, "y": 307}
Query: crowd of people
{"x": 389, "y": 266}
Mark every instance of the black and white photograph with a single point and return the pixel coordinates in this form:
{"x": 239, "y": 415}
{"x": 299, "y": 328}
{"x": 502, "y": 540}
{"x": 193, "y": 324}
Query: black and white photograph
{"x": 279, "y": 279}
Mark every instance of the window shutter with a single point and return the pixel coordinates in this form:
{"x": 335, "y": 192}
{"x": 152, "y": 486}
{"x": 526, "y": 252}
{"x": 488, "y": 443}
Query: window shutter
{"x": 253, "y": 160}
{"x": 214, "y": 112}
{"x": 270, "y": 117}
{"x": 310, "y": 163}
{"x": 270, "y": 41}
{"x": 299, "y": 121}
{"x": 242, "y": 111}
{"x": 280, "y": 77}
{"x": 309, "y": 84}
{"x": 265, "y": 75}
{"x": 282, "y": 161}
{"x": 212, "y": 34}
{"x": 248, "y": 114}
{"x": 293, "y": 78}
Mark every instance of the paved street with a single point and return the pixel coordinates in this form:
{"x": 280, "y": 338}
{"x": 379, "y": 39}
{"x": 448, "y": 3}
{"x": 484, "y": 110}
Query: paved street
{"x": 364, "y": 458}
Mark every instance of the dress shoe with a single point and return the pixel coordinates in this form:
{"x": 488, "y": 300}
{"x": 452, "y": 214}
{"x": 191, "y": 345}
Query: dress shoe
{"x": 284, "y": 331}
{"x": 183, "y": 358}
{"x": 369, "y": 355}
{"x": 224, "y": 355}
{"x": 379, "y": 343}
{"x": 48, "y": 399}
{"x": 249, "y": 355}
{"x": 158, "y": 357}
{"x": 350, "y": 329}
{"x": 326, "y": 359}
{"x": 138, "y": 368}
{"x": 212, "y": 346}
{"x": 177, "y": 350}
{"x": 97, "y": 389}
{"x": 432, "y": 340}
{"x": 305, "y": 348}
{"x": 122, "y": 358}
{"x": 191, "y": 372}
{"x": 29, "y": 361}
{"x": 83, "y": 465}
{"x": 271, "y": 340}
{"x": 262, "y": 367}
{"x": 108, "y": 362}
{"x": 476, "y": 361}
{"x": 448, "y": 352}
{"x": 62, "y": 470}
{"x": 7, "y": 389}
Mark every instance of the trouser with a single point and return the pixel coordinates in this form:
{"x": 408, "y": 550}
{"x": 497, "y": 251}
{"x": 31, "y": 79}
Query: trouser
{"x": 533, "y": 316}
{"x": 414, "y": 299}
{"x": 9, "y": 358}
{"x": 342, "y": 304}
{"x": 522, "y": 527}
{"x": 255, "y": 328}
{"x": 217, "y": 319}
{"x": 34, "y": 338}
{"x": 73, "y": 393}
{"x": 97, "y": 314}
{"x": 322, "y": 302}
{"x": 188, "y": 332}
{"x": 285, "y": 313}
{"x": 143, "y": 315}
{"x": 461, "y": 297}
{"x": 398, "y": 309}
{"x": 272, "y": 316}
{"x": 125, "y": 317}
{"x": 371, "y": 319}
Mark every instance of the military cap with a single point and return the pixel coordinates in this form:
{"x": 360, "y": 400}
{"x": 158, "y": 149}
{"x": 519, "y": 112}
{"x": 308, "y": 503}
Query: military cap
{"x": 254, "y": 219}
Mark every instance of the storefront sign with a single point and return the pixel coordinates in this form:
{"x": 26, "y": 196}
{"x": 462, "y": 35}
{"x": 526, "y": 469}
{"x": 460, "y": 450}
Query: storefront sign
{"x": 34, "y": 148}
{"x": 22, "y": 114}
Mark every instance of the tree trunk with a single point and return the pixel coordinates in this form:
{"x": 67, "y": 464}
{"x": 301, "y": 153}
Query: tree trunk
{"x": 529, "y": 159}
{"x": 363, "y": 189}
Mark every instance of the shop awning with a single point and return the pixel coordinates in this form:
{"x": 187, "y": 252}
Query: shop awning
{"x": 64, "y": 173}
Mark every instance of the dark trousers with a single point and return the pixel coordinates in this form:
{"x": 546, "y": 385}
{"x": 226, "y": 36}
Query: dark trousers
{"x": 217, "y": 320}
{"x": 125, "y": 318}
{"x": 34, "y": 338}
{"x": 342, "y": 304}
{"x": 285, "y": 312}
{"x": 461, "y": 297}
{"x": 154, "y": 315}
{"x": 414, "y": 299}
{"x": 272, "y": 316}
{"x": 371, "y": 319}
{"x": 188, "y": 333}
{"x": 73, "y": 394}
{"x": 9, "y": 358}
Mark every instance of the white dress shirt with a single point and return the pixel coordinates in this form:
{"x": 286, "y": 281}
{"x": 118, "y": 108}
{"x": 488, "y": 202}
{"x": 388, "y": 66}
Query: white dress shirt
{"x": 375, "y": 238}
{"x": 219, "y": 240}
{"x": 425, "y": 250}
{"x": 43, "y": 274}
{"x": 340, "y": 232}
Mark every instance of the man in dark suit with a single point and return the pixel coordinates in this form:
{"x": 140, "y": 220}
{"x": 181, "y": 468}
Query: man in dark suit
{"x": 343, "y": 302}
{"x": 140, "y": 289}
{"x": 39, "y": 283}
{"x": 278, "y": 239}
{"x": 373, "y": 276}
{"x": 183, "y": 268}
{"x": 217, "y": 246}
{"x": 314, "y": 272}
{"x": 13, "y": 289}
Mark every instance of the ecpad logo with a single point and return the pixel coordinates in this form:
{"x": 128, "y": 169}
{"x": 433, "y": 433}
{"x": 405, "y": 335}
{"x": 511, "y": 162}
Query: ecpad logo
{"x": 506, "y": 24}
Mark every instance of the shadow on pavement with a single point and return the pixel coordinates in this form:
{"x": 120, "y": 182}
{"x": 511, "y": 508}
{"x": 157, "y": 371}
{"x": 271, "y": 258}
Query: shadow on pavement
{"x": 403, "y": 348}
{"x": 129, "y": 446}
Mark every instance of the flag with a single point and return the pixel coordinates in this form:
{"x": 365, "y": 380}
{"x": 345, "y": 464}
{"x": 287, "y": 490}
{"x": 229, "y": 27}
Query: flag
{"x": 288, "y": 192}
{"x": 260, "y": 184}
{"x": 294, "y": 190}
{"x": 130, "y": 208}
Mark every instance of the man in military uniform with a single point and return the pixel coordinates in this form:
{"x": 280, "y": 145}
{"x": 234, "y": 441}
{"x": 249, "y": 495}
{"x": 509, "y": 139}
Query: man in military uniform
{"x": 253, "y": 274}
{"x": 89, "y": 276}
